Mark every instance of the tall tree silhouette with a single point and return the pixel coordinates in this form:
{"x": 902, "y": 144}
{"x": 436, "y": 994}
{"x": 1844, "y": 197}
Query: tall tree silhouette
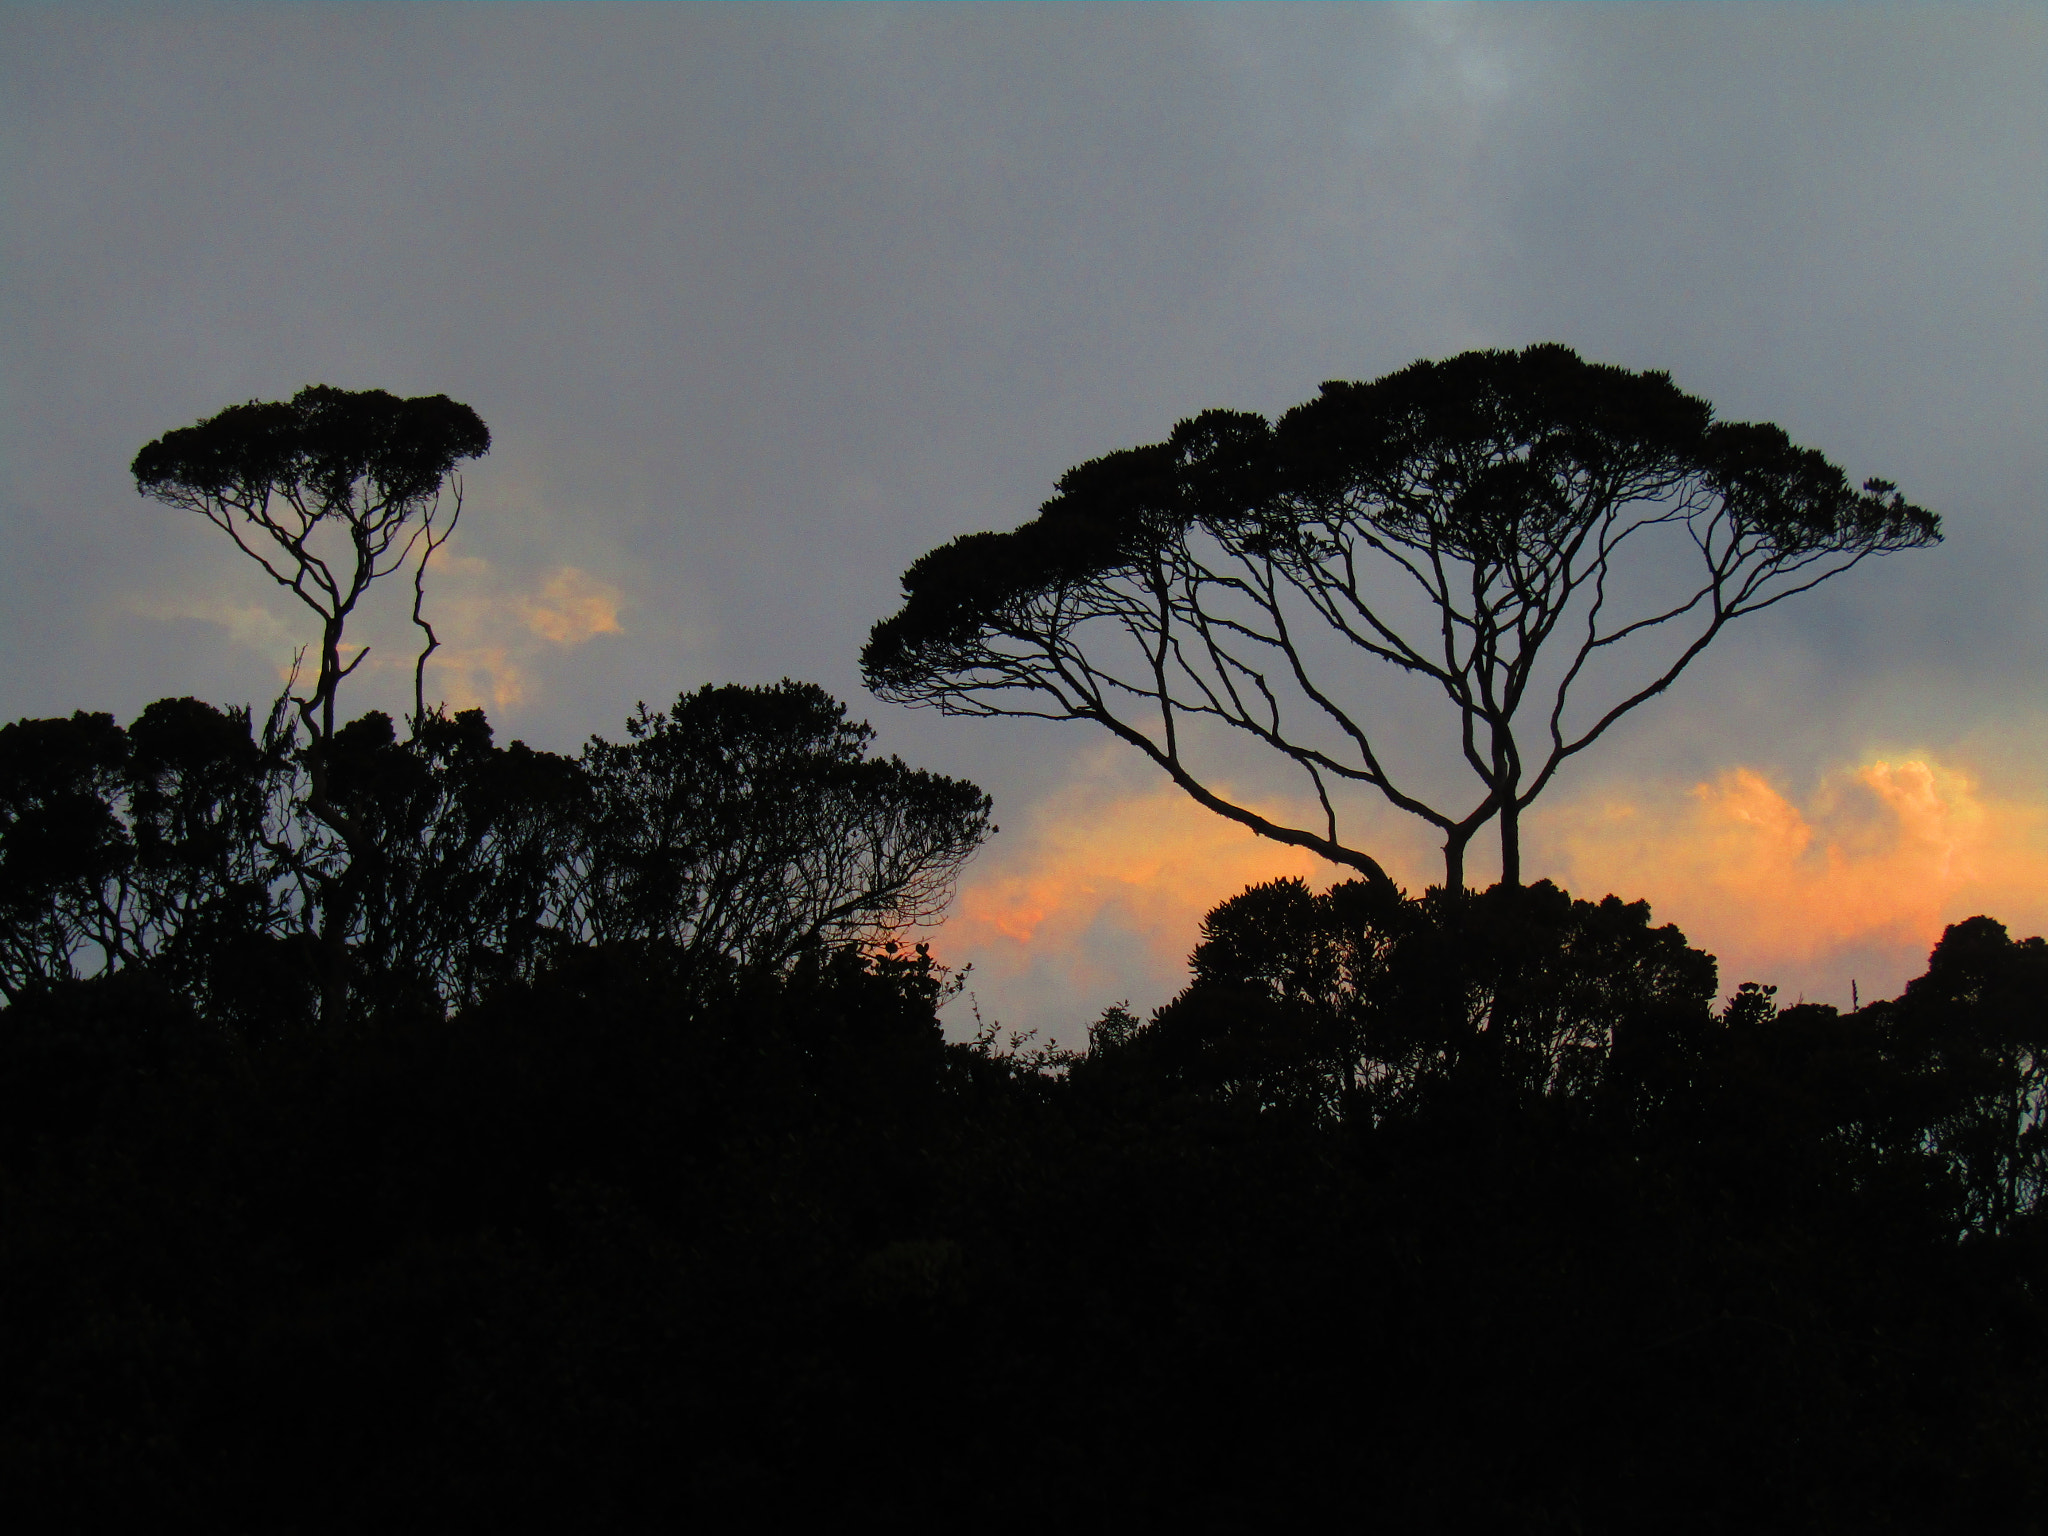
{"x": 328, "y": 492}
{"x": 365, "y": 465}
{"x": 1512, "y": 529}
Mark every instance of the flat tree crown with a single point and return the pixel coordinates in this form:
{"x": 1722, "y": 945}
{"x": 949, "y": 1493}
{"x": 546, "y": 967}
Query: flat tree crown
{"x": 1487, "y": 452}
{"x": 323, "y": 440}
{"x": 363, "y": 466}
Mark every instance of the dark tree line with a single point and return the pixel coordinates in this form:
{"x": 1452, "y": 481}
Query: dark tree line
{"x": 735, "y": 831}
{"x": 1413, "y": 1212}
{"x": 1353, "y": 1007}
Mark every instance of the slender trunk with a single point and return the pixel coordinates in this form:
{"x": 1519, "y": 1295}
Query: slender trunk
{"x": 336, "y": 897}
{"x": 330, "y": 675}
{"x": 1506, "y": 785}
{"x": 1454, "y": 857}
{"x": 337, "y": 893}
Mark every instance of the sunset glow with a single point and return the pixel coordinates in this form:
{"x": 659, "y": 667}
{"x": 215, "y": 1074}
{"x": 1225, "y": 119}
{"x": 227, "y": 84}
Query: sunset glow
{"x": 1854, "y": 882}
{"x": 496, "y": 632}
{"x": 1103, "y": 889}
{"x": 572, "y": 607}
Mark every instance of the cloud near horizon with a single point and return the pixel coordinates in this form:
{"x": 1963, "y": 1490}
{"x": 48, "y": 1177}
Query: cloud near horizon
{"x": 1855, "y": 883}
{"x": 1103, "y": 891}
{"x": 1099, "y": 893}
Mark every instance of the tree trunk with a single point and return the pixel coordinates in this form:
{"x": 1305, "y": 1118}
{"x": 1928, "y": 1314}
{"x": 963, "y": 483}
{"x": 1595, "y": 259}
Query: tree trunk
{"x": 1510, "y": 842}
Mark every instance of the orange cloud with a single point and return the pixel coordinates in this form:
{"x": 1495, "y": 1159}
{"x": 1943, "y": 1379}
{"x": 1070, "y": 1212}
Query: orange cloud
{"x": 1155, "y": 860}
{"x": 1099, "y": 895}
{"x": 1859, "y": 882}
{"x": 472, "y": 676}
{"x": 494, "y": 636}
{"x": 492, "y": 633}
{"x": 572, "y": 607}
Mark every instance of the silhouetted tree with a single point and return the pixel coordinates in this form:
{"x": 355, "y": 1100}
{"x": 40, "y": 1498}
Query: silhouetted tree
{"x": 1359, "y": 1001}
{"x": 363, "y": 466}
{"x": 1976, "y": 1025}
{"x": 746, "y": 824}
{"x": 474, "y": 854}
{"x": 1494, "y": 525}
{"x": 736, "y": 832}
{"x": 61, "y": 847}
{"x": 207, "y": 801}
{"x": 328, "y": 492}
{"x": 169, "y": 847}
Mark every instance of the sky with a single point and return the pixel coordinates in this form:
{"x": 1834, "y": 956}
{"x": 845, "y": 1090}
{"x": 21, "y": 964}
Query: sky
{"x": 760, "y": 302}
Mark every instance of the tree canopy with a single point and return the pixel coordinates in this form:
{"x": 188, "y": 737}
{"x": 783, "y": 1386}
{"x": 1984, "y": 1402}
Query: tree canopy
{"x": 1495, "y": 525}
{"x": 273, "y": 475}
{"x": 744, "y": 825}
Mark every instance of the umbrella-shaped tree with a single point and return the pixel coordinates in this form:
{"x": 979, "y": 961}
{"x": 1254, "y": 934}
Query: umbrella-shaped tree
{"x": 1516, "y": 529}
{"x": 328, "y": 492}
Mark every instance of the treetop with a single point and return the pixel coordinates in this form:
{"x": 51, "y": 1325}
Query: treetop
{"x": 1483, "y": 454}
{"x": 323, "y": 438}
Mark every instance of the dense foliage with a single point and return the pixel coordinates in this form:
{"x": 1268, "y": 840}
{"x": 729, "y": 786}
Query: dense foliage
{"x": 636, "y": 1187}
{"x": 738, "y": 829}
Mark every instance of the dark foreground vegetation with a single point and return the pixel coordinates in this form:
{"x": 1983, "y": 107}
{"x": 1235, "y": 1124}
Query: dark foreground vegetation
{"x": 561, "y": 1146}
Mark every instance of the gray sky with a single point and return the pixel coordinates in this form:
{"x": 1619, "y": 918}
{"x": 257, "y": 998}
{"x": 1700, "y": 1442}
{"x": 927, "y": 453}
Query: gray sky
{"x": 760, "y": 302}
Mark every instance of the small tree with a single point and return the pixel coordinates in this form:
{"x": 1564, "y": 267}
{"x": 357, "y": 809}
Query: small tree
{"x": 1495, "y": 525}
{"x": 747, "y": 826}
{"x": 276, "y": 476}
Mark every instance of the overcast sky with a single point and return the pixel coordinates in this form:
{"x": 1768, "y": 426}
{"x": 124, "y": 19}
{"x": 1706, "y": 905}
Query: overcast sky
{"x": 762, "y": 301}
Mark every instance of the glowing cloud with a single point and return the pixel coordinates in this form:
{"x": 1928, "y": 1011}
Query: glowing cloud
{"x": 573, "y": 606}
{"x": 472, "y": 676}
{"x": 493, "y": 630}
{"x": 247, "y": 624}
{"x": 1099, "y": 895}
{"x": 1151, "y": 863}
{"x": 1857, "y": 883}
{"x": 496, "y": 632}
